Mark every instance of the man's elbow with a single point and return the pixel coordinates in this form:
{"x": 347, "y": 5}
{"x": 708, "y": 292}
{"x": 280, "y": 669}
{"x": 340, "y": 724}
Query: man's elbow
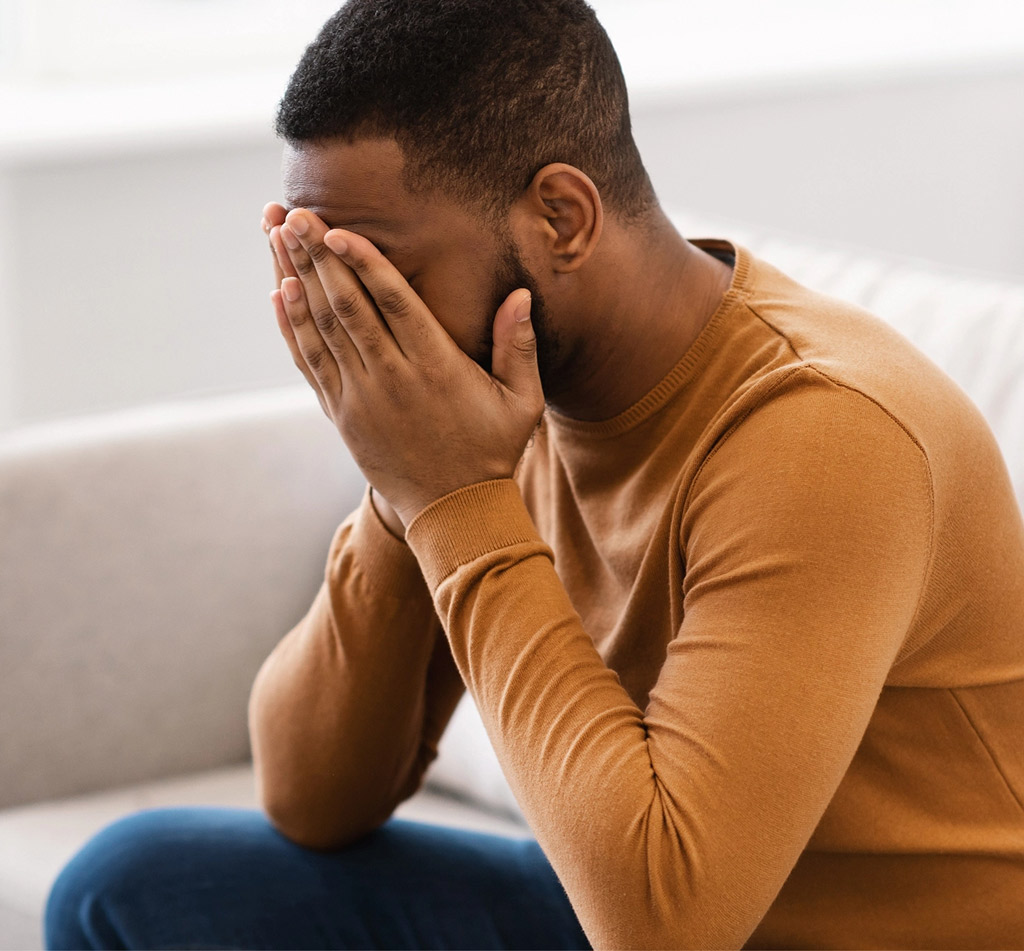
{"x": 317, "y": 826}
{"x": 312, "y": 831}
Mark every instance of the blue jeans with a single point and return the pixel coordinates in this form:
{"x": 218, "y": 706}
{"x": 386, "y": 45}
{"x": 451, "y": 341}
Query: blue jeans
{"x": 225, "y": 878}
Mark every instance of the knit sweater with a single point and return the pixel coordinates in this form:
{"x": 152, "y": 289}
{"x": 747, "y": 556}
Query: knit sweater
{"x": 750, "y": 653}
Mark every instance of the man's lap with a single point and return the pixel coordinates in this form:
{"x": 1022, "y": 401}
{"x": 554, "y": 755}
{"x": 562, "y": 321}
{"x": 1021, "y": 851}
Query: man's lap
{"x": 211, "y": 877}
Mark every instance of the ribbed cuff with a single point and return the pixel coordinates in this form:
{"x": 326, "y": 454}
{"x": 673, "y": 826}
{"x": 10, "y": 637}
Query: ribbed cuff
{"x": 386, "y": 561}
{"x": 467, "y": 523}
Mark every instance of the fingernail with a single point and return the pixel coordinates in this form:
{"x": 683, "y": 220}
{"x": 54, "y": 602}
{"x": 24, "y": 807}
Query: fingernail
{"x": 288, "y": 237}
{"x": 291, "y": 289}
{"x": 265, "y": 225}
{"x": 523, "y": 308}
{"x": 336, "y": 242}
{"x": 298, "y": 223}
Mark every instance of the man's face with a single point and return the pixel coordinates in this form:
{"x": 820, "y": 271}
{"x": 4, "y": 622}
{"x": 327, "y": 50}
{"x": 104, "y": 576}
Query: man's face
{"x": 461, "y": 267}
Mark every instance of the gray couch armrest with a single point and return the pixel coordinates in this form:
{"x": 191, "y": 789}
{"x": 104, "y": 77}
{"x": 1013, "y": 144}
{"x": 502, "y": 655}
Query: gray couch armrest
{"x": 149, "y": 561}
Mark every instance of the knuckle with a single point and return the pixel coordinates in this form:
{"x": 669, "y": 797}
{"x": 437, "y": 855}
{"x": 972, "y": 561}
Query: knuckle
{"x": 393, "y": 385}
{"x": 394, "y": 302}
{"x": 325, "y": 320}
{"x": 526, "y": 347}
{"x": 433, "y": 375}
{"x": 317, "y": 359}
{"x": 303, "y": 265}
{"x": 319, "y": 252}
{"x": 346, "y": 304}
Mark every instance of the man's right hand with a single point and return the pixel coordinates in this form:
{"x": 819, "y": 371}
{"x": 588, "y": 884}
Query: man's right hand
{"x": 273, "y": 217}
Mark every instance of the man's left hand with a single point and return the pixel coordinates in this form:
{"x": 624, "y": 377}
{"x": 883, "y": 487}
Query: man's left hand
{"x": 418, "y": 415}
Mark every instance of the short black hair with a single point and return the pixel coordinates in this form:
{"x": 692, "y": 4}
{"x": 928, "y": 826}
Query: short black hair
{"x": 479, "y": 95}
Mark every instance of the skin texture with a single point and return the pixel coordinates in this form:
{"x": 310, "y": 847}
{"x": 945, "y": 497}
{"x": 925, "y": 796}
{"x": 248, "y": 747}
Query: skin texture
{"x": 399, "y": 308}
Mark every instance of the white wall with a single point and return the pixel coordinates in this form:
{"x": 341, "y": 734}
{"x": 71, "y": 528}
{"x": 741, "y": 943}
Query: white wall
{"x": 927, "y": 166}
{"x": 136, "y": 278}
{"x": 8, "y": 396}
{"x": 72, "y": 40}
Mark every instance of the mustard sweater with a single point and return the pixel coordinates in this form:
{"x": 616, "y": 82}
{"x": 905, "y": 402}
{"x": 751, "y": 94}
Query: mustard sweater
{"x": 751, "y": 653}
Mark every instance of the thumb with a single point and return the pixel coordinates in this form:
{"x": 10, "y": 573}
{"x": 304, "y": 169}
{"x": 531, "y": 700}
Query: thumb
{"x": 514, "y": 357}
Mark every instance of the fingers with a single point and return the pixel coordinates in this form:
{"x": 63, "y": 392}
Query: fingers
{"x": 283, "y": 266}
{"x": 319, "y": 309}
{"x": 315, "y": 359}
{"x": 273, "y": 217}
{"x": 514, "y": 355}
{"x": 340, "y": 306}
{"x": 313, "y": 352}
{"x": 284, "y": 325}
{"x": 413, "y": 326}
{"x": 279, "y": 257}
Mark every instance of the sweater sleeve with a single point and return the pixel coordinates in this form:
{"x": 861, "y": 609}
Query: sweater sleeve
{"x": 346, "y": 713}
{"x": 806, "y": 539}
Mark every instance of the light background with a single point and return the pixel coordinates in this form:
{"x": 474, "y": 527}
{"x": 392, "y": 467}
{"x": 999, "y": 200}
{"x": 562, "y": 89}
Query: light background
{"x": 136, "y": 152}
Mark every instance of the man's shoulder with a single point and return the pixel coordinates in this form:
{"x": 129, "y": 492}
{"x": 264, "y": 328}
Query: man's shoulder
{"x": 838, "y": 346}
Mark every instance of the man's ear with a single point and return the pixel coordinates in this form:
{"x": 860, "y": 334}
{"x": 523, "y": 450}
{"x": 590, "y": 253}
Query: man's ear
{"x": 562, "y": 211}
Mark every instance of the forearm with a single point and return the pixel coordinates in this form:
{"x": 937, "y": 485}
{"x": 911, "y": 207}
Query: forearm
{"x": 346, "y": 712}
{"x": 672, "y": 826}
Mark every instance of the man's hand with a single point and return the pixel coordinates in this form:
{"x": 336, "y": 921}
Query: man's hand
{"x": 273, "y": 217}
{"x": 419, "y": 416}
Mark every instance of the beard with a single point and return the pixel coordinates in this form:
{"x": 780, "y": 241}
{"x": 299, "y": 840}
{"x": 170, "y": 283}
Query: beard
{"x": 511, "y": 275}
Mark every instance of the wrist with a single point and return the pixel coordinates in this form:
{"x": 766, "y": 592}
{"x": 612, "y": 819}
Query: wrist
{"x": 387, "y": 514}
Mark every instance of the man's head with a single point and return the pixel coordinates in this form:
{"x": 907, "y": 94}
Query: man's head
{"x": 477, "y": 142}
{"x": 479, "y": 94}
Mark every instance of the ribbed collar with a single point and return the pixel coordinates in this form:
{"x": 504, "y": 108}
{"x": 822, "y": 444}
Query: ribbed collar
{"x": 684, "y": 371}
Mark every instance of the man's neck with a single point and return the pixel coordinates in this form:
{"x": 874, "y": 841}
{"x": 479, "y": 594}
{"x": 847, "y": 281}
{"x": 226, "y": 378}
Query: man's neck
{"x": 652, "y": 297}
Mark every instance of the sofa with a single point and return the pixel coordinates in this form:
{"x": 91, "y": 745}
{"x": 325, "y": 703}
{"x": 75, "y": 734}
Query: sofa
{"x": 151, "y": 558}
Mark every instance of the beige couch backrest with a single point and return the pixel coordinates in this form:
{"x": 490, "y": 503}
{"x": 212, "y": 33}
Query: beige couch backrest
{"x": 149, "y": 561}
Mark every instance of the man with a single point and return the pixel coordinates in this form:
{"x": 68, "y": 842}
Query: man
{"x": 733, "y": 574}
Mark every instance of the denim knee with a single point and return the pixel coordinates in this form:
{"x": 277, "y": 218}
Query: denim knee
{"x": 82, "y": 907}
